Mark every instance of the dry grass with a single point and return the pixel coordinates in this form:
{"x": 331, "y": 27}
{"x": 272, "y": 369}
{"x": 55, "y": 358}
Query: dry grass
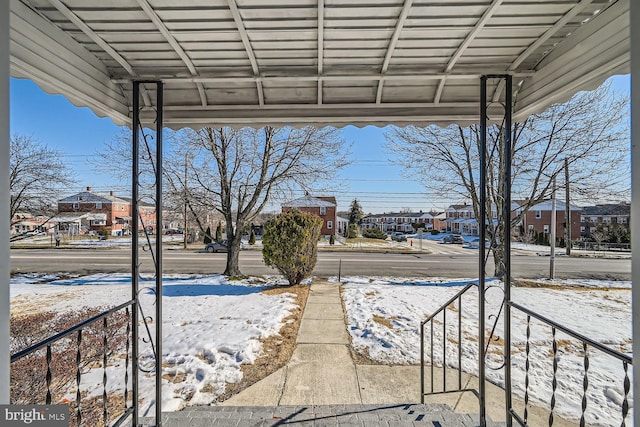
{"x": 529, "y": 283}
{"x": 175, "y": 378}
{"x": 382, "y": 321}
{"x": 362, "y": 356}
{"x": 277, "y": 350}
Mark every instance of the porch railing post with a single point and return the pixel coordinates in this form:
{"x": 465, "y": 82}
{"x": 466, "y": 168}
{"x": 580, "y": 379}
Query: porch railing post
{"x": 481, "y": 250}
{"x": 507, "y": 247}
{"x": 135, "y": 265}
{"x": 4, "y": 201}
{"x": 158, "y": 266}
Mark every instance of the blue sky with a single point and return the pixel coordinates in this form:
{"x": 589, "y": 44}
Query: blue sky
{"x": 77, "y": 133}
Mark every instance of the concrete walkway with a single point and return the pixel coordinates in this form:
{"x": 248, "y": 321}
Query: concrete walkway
{"x": 322, "y": 372}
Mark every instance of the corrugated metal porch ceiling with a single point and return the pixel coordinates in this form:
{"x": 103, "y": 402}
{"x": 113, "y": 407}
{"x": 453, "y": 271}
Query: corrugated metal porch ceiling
{"x": 255, "y": 62}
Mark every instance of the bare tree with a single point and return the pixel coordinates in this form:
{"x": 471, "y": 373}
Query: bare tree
{"x": 590, "y": 130}
{"x": 116, "y": 159}
{"x": 237, "y": 172}
{"x": 36, "y": 175}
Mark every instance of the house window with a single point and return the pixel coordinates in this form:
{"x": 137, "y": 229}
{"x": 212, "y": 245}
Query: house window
{"x": 546, "y": 228}
{"x": 606, "y": 220}
{"x": 98, "y": 205}
{"x": 530, "y": 227}
{"x": 538, "y": 214}
{"x": 622, "y": 220}
{"x": 98, "y": 222}
{"x": 330, "y": 225}
{"x": 323, "y": 210}
{"x": 76, "y": 206}
{"x": 582, "y": 229}
{"x": 583, "y": 219}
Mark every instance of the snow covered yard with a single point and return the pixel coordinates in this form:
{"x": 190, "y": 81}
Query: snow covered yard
{"x": 211, "y": 326}
{"x": 384, "y": 314}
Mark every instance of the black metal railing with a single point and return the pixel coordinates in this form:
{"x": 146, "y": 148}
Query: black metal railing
{"x": 586, "y": 345}
{"x": 90, "y": 341}
{"x": 553, "y": 358}
{"x": 442, "y": 311}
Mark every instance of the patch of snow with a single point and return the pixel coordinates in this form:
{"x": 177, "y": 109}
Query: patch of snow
{"x": 405, "y": 302}
{"x": 211, "y": 326}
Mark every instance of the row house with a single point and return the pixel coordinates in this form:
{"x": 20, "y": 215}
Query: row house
{"x": 606, "y": 216}
{"x": 86, "y": 211}
{"x": 324, "y": 207}
{"x": 400, "y": 221}
{"x": 461, "y": 219}
{"x": 538, "y": 218}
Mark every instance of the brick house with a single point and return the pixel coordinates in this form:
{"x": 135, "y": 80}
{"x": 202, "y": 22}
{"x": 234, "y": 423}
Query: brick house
{"x": 607, "y": 216}
{"x": 24, "y": 222}
{"x": 87, "y": 211}
{"x": 461, "y": 219}
{"x": 538, "y": 218}
{"x": 439, "y": 221}
{"x": 324, "y": 207}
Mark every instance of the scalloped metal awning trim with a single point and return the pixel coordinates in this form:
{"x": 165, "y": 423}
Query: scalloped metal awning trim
{"x": 320, "y": 62}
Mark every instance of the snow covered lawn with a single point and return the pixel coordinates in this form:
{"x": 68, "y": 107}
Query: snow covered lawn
{"x": 384, "y": 314}
{"x": 210, "y": 326}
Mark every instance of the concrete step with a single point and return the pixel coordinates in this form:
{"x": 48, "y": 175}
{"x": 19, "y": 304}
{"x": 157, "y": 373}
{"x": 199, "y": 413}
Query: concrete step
{"x": 432, "y": 415}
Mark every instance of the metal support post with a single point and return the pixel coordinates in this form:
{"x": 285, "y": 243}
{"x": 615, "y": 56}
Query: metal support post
{"x": 5, "y": 6}
{"x": 552, "y": 231}
{"x": 567, "y": 209}
{"x": 507, "y": 244}
{"x": 635, "y": 192}
{"x": 135, "y": 265}
{"x": 506, "y": 155}
{"x": 158, "y": 266}
{"x": 481, "y": 250}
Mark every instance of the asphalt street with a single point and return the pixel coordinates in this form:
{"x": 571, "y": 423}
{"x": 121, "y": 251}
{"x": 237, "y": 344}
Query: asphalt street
{"x": 456, "y": 265}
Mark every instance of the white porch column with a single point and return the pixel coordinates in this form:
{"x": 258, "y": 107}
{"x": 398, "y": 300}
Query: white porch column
{"x": 635, "y": 198}
{"x": 4, "y": 202}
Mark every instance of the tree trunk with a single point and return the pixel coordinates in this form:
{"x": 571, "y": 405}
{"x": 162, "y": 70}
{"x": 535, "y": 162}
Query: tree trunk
{"x": 233, "y": 266}
{"x": 498, "y": 260}
{"x": 233, "y": 245}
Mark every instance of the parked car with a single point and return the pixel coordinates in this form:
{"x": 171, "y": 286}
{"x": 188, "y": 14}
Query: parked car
{"x": 173, "y": 231}
{"x": 398, "y": 236}
{"x": 475, "y": 243}
{"x": 454, "y": 239}
{"x": 220, "y": 246}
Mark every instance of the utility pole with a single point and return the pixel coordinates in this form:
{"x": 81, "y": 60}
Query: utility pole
{"x": 567, "y": 209}
{"x": 184, "y": 232}
{"x": 552, "y": 235}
